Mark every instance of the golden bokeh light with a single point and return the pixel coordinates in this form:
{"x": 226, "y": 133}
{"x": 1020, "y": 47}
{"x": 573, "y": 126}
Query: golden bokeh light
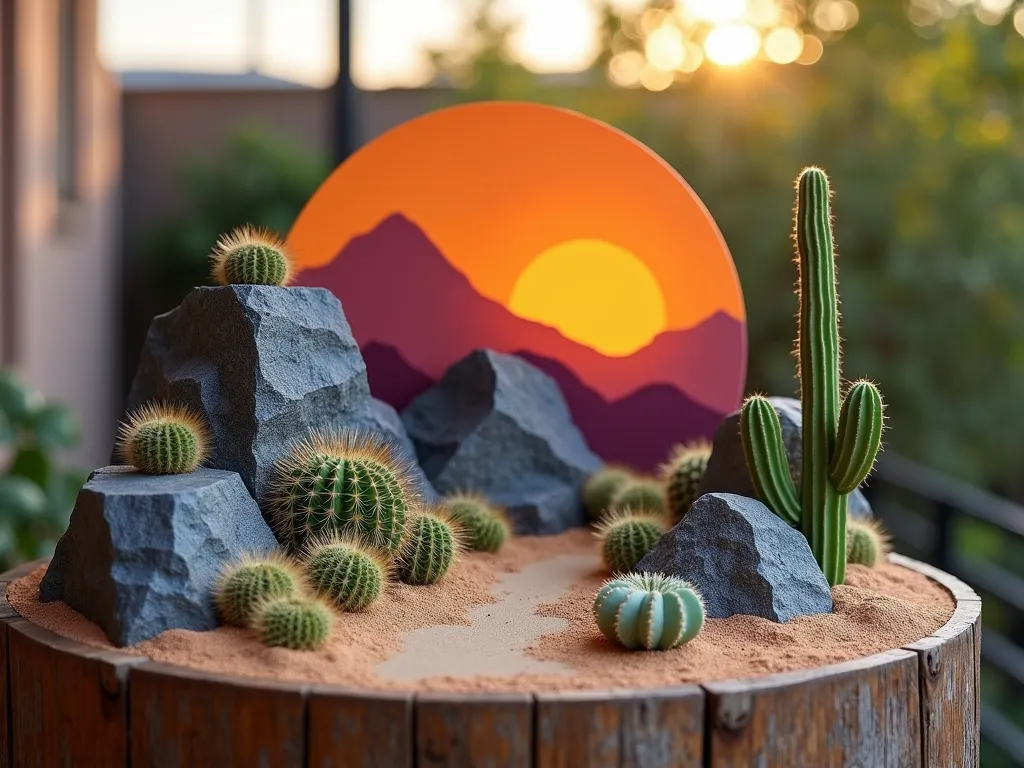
{"x": 666, "y": 47}
{"x": 783, "y": 45}
{"x": 716, "y": 11}
{"x": 812, "y": 50}
{"x": 694, "y": 58}
{"x": 763, "y": 13}
{"x": 730, "y": 45}
{"x": 624, "y": 68}
{"x": 654, "y": 79}
{"x": 1018, "y": 21}
{"x": 594, "y": 293}
{"x": 835, "y": 15}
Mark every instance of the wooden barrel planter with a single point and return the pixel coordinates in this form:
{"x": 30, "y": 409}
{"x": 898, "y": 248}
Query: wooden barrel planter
{"x": 70, "y": 704}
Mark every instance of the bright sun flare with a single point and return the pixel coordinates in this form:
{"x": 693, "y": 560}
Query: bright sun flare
{"x": 595, "y": 293}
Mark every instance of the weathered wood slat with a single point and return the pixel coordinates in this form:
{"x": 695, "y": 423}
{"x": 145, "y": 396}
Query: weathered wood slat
{"x": 7, "y": 616}
{"x": 492, "y": 730}
{"x": 949, "y": 668}
{"x": 638, "y": 729}
{"x": 859, "y": 713}
{"x": 69, "y": 701}
{"x": 188, "y": 719}
{"x": 359, "y": 729}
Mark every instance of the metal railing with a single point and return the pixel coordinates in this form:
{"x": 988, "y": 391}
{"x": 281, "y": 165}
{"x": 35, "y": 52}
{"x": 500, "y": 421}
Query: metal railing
{"x": 929, "y": 516}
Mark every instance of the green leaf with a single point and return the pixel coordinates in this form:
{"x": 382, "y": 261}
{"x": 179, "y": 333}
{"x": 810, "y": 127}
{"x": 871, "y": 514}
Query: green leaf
{"x": 20, "y": 498}
{"x": 6, "y": 431}
{"x": 33, "y": 464}
{"x": 54, "y": 426}
{"x": 16, "y": 401}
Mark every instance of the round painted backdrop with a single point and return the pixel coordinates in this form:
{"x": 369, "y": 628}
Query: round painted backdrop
{"x": 535, "y": 231}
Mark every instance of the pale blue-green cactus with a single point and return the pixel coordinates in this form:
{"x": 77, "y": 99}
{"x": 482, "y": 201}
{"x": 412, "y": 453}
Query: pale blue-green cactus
{"x": 649, "y": 610}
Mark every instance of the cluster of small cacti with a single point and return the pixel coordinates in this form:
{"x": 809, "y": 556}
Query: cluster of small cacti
{"x": 601, "y": 487}
{"x": 163, "y": 439}
{"x": 649, "y": 611}
{"x": 485, "y": 527}
{"x": 682, "y": 474}
{"x": 626, "y": 536}
{"x": 251, "y": 256}
{"x": 867, "y": 542}
{"x": 643, "y": 494}
{"x": 841, "y": 436}
{"x": 429, "y": 548}
{"x": 346, "y": 483}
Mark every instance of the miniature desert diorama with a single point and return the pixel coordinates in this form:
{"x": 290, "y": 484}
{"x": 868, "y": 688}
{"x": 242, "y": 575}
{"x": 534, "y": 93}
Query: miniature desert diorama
{"x": 269, "y": 515}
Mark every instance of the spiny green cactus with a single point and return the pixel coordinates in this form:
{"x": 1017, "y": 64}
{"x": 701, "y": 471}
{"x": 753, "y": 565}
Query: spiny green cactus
{"x": 341, "y": 483}
{"x": 839, "y": 443}
{"x": 485, "y": 526}
{"x": 251, "y": 256}
{"x": 163, "y": 439}
{"x": 867, "y": 542}
{"x": 649, "y": 611}
{"x": 245, "y": 584}
{"x": 626, "y": 536}
{"x": 601, "y": 487}
{"x": 299, "y": 623}
{"x": 683, "y": 473}
{"x": 347, "y": 572}
{"x": 641, "y": 494}
{"x": 431, "y": 546}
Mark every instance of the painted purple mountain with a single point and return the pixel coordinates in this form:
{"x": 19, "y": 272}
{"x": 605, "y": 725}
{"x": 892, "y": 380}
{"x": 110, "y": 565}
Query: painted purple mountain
{"x": 414, "y": 315}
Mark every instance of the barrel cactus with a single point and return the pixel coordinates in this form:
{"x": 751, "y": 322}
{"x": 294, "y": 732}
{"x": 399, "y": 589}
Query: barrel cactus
{"x": 431, "y": 546}
{"x": 341, "y": 483}
{"x": 626, "y": 536}
{"x": 683, "y": 473}
{"x": 163, "y": 439}
{"x": 601, "y": 487}
{"x": 649, "y": 611}
{"x": 298, "y": 623}
{"x": 251, "y": 256}
{"x": 645, "y": 494}
{"x": 245, "y": 584}
{"x": 841, "y": 436}
{"x": 867, "y": 542}
{"x": 485, "y": 527}
{"x": 347, "y": 572}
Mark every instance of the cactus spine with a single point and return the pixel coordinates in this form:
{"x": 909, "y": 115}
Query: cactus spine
{"x": 299, "y": 623}
{"x": 867, "y": 542}
{"x": 683, "y": 473}
{"x": 162, "y": 439}
{"x": 347, "y": 572}
{"x": 341, "y": 483}
{"x": 601, "y": 487}
{"x": 641, "y": 494}
{"x": 625, "y": 537}
{"x": 430, "y": 548}
{"x": 649, "y": 610}
{"x": 245, "y": 584}
{"x": 486, "y": 527}
{"x": 251, "y": 256}
{"x": 839, "y": 443}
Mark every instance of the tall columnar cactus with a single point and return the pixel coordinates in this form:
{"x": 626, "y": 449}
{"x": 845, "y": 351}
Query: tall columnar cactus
{"x": 683, "y": 473}
{"x": 163, "y": 439}
{"x": 341, "y": 483}
{"x": 626, "y": 536}
{"x": 840, "y": 442}
{"x": 347, "y": 572}
{"x": 649, "y": 610}
{"x": 245, "y": 584}
{"x": 251, "y": 256}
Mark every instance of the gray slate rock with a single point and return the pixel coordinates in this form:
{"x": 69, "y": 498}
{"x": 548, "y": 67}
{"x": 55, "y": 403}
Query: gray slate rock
{"x": 382, "y": 419}
{"x": 262, "y": 364}
{"x": 143, "y": 552}
{"x": 727, "y": 468}
{"x": 497, "y": 425}
{"x": 743, "y": 559}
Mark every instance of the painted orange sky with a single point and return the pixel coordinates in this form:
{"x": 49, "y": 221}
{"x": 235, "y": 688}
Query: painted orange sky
{"x": 494, "y": 185}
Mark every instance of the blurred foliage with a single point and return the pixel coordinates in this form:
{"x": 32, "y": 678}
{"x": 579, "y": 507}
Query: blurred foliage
{"x": 36, "y": 495}
{"x": 914, "y": 121}
{"x": 257, "y": 178}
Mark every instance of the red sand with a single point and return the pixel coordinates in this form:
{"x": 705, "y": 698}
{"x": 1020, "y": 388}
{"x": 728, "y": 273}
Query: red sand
{"x": 876, "y": 610}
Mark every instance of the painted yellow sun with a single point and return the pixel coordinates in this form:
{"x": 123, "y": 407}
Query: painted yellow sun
{"x": 595, "y": 293}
